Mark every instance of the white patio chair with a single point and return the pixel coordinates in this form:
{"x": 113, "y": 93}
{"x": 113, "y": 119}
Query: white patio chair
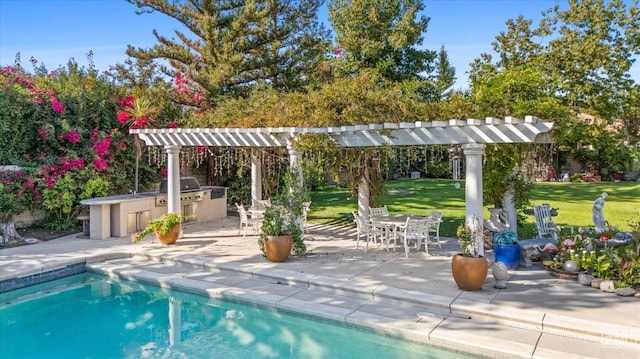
{"x": 416, "y": 230}
{"x": 366, "y": 229}
{"x": 378, "y": 211}
{"x": 244, "y": 219}
{"x": 545, "y": 226}
{"x": 434, "y": 224}
{"x": 306, "y": 206}
{"x": 261, "y": 204}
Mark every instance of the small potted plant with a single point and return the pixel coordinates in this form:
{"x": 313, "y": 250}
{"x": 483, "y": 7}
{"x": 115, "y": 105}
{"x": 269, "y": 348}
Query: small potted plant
{"x": 506, "y": 248}
{"x": 281, "y": 228}
{"x": 166, "y": 228}
{"x": 469, "y": 270}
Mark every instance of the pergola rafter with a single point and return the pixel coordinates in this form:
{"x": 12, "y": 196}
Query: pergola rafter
{"x": 453, "y": 132}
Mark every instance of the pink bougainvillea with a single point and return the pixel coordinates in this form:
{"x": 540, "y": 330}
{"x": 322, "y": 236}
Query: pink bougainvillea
{"x": 102, "y": 147}
{"x": 172, "y": 124}
{"x": 141, "y": 122}
{"x": 163, "y": 172}
{"x": 43, "y": 133}
{"x": 56, "y": 106}
{"x": 121, "y": 146}
{"x": 72, "y": 136}
{"x": 123, "y": 117}
{"x": 93, "y": 135}
{"x": 100, "y": 164}
{"x": 78, "y": 163}
{"x": 127, "y": 101}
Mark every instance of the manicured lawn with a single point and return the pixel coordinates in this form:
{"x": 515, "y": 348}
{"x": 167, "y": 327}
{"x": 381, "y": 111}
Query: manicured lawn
{"x": 333, "y": 205}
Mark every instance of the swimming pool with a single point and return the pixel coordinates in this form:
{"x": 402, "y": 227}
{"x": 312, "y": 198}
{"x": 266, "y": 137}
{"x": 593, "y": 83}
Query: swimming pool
{"x": 93, "y": 316}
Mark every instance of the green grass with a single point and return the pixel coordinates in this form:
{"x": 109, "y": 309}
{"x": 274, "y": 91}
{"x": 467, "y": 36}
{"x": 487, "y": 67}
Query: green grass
{"x": 333, "y": 205}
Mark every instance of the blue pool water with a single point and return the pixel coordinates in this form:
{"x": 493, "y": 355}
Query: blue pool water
{"x": 92, "y": 316}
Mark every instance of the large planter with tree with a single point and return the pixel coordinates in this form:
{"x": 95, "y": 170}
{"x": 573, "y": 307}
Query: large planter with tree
{"x": 281, "y": 228}
{"x": 506, "y": 249}
{"x": 468, "y": 269}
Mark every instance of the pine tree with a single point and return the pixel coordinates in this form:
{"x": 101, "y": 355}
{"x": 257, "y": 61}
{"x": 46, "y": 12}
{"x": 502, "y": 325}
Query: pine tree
{"x": 224, "y": 48}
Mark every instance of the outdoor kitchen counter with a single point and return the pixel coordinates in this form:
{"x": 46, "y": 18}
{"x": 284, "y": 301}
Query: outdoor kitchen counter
{"x": 121, "y": 215}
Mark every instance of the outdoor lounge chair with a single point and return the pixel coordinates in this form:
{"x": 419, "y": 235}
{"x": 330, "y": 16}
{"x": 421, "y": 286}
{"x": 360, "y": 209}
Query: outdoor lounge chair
{"x": 545, "y": 226}
{"x": 547, "y": 232}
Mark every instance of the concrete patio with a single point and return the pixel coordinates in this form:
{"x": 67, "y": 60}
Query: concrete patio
{"x": 536, "y": 316}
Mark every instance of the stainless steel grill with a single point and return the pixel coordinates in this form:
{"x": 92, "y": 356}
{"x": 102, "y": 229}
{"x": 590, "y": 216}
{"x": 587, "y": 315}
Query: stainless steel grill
{"x": 190, "y": 192}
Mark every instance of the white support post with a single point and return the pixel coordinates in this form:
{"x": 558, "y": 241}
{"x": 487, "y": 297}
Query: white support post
{"x": 173, "y": 179}
{"x": 473, "y": 191}
{"x": 364, "y": 195}
{"x": 294, "y": 157}
{"x": 256, "y": 176}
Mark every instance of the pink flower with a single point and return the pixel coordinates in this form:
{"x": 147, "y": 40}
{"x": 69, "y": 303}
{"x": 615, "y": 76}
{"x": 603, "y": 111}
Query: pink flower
{"x": 43, "y": 133}
{"x": 93, "y": 136}
{"x": 38, "y": 100}
{"x": 163, "y": 172}
{"x": 56, "y": 106}
{"x": 72, "y": 136}
{"x": 202, "y": 149}
{"x": 121, "y": 146}
{"x": 103, "y": 146}
{"x": 78, "y": 163}
{"x": 100, "y": 164}
{"x": 141, "y": 122}
{"x": 127, "y": 101}
{"x": 123, "y": 117}
{"x": 172, "y": 124}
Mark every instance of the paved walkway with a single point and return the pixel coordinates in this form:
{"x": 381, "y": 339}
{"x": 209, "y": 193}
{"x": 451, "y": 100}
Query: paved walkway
{"x": 536, "y": 316}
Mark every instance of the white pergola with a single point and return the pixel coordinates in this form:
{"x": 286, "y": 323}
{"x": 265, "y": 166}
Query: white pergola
{"x": 472, "y": 134}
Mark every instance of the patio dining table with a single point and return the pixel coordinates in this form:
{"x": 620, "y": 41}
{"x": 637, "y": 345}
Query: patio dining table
{"x": 390, "y": 224}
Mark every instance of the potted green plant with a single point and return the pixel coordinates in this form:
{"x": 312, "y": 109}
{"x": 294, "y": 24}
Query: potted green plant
{"x": 469, "y": 270}
{"x": 506, "y": 248}
{"x": 281, "y": 228}
{"x": 166, "y": 228}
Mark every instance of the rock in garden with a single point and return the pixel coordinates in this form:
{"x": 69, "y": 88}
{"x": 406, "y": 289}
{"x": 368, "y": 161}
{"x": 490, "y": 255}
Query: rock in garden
{"x": 596, "y": 282}
{"x": 607, "y": 286}
{"x": 585, "y": 279}
{"x": 625, "y": 292}
{"x": 637, "y": 295}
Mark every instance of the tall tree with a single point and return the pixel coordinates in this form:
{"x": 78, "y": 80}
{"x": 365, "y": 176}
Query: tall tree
{"x": 445, "y": 76}
{"x": 226, "y": 47}
{"x": 593, "y": 54}
{"x": 382, "y": 35}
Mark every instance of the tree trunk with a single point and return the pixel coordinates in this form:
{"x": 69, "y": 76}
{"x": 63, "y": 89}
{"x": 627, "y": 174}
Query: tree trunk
{"x": 8, "y": 227}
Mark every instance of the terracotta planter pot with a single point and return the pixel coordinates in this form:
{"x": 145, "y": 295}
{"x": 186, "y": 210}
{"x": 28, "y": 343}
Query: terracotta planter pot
{"x": 171, "y": 237}
{"x": 469, "y": 272}
{"x": 277, "y": 248}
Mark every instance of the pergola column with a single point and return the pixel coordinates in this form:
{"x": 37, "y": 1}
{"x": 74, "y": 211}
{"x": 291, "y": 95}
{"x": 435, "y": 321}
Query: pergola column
{"x": 473, "y": 153}
{"x": 173, "y": 178}
{"x": 294, "y": 158}
{"x": 364, "y": 195}
{"x": 256, "y": 176}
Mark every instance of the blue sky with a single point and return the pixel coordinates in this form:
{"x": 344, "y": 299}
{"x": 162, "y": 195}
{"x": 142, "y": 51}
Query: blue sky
{"x": 53, "y": 31}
